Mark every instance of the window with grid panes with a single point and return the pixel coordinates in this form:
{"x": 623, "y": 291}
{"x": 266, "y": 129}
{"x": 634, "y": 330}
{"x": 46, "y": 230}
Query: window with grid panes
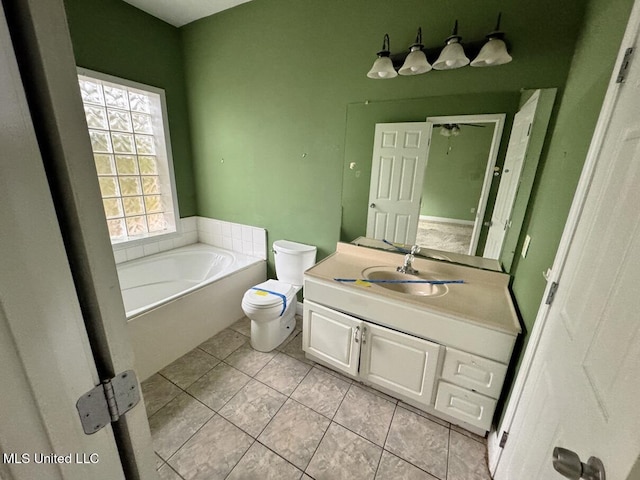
{"x": 129, "y": 139}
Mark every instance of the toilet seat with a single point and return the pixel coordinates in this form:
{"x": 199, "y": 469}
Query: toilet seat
{"x": 268, "y": 295}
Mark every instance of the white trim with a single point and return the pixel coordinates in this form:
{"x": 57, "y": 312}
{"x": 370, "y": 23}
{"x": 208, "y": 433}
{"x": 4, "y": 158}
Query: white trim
{"x": 498, "y": 120}
{"x": 606, "y": 112}
{"x": 300, "y": 308}
{"x": 457, "y": 221}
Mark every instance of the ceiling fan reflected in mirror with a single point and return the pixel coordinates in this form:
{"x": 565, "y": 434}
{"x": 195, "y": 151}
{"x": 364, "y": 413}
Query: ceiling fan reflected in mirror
{"x": 453, "y": 129}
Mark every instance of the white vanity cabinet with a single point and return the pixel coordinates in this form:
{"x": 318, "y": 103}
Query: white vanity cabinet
{"x": 445, "y": 354}
{"x": 397, "y": 362}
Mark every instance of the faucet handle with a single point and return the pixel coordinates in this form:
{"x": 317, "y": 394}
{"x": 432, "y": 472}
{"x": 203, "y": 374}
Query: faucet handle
{"x": 415, "y": 249}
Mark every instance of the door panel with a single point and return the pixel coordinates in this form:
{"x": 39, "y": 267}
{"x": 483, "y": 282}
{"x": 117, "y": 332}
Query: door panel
{"x": 588, "y": 359}
{"x": 400, "y": 362}
{"x": 45, "y": 354}
{"x": 397, "y": 172}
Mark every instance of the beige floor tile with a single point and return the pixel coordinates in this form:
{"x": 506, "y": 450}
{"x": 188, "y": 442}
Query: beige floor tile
{"x": 253, "y": 407}
{"x": 189, "y": 368}
{"x": 157, "y": 391}
{"x": 174, "y": 423}
{"x": 294, "y": 433}
{"x": 260, "y": 463}
{"x": 343, "y": 455}
{"x": 224, "y": 343}
{"x": 283, "y": 373}
{"x": 394, "y": 468}
{"x": 366, "y": 414}
{"x": 218, "y": 386}
{"x": 419, "y": 441}
{"x": 467, "y": 458}
{"x": 248, "y": 360}
{"x": 242, "y": 326}
{"x": 321, "y": 392}
{"x": 213, "y": 452}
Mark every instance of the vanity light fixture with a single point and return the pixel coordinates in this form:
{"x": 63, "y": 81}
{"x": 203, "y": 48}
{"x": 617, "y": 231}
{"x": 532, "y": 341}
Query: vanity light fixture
{"x": 383, "y": 67}
{"x": 452, "y": 55}
{"x": 416, "y": 62}
{"x": 494, "y": 52}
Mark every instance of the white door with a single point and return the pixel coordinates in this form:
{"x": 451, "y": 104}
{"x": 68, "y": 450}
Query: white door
{"x": 60, "y": 304}
{"x": 583, "y": 387}
{"x": 401, "y": 363}
{"x": 332, "y": 337}
{"x": 397, "y": 172}
{"x": 45, "y": 357}
{"x": 510, "y": 179}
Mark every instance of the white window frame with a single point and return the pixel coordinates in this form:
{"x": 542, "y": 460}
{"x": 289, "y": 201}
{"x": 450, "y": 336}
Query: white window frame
{"x": 167, "y": 169}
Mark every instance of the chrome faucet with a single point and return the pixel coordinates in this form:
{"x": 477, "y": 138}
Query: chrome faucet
{"x": 408, "y": 260}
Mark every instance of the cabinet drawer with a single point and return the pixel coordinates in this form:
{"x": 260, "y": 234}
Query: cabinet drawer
{"x": 473, "y": 372}
{"x": 465, "y": 405}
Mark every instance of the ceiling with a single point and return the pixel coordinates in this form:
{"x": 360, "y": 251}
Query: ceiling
{"x": 181, "y": 12}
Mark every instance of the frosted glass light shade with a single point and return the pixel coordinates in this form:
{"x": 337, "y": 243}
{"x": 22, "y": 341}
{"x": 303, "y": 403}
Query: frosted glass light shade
{"x": 382, "y": 69}
{"x": 493, "y": 53}
{"x": 415, "y": 63}
{"x": 452, "y": 56}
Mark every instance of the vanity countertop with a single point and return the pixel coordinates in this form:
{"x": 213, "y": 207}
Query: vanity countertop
{"x": 483, "y": 299}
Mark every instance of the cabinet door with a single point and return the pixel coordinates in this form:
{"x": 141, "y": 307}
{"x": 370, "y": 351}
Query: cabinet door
{"x": 402, "y": 363}
{"x": 331, "y": 337}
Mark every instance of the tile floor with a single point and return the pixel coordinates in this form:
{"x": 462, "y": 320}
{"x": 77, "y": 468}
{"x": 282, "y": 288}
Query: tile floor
{"x": 225, "y": 410}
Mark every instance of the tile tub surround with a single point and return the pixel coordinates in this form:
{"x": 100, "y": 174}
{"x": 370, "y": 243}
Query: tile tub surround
{"x": 230, "y": 236}
{"x": 289, "y": 419}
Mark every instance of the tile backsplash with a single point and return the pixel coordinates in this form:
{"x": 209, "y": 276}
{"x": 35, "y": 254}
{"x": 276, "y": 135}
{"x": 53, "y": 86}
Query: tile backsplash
{"x": 230, "y": 236}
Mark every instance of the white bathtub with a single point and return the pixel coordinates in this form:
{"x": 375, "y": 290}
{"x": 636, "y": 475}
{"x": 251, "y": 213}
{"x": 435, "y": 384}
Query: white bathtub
{"x": 177, "y": 299}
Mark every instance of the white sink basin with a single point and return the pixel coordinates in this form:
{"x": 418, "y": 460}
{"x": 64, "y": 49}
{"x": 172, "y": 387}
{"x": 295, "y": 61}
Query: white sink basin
{"x": 391, "y": 279}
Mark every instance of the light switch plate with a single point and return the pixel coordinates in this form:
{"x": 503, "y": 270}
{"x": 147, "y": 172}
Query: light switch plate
{"x": 525, "y": 246}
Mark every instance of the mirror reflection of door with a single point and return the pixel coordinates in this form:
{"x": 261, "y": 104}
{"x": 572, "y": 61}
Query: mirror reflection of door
{"x": 453, "y": 185}
{"x": 400, "y": 154}
{"x": 420, "y": 197}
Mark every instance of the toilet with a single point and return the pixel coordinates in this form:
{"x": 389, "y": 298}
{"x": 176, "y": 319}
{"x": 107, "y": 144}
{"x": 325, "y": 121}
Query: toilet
{"x": 271, "y": 305}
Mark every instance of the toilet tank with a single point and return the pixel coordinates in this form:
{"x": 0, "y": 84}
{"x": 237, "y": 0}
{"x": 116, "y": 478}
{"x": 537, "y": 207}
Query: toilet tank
{"x": 292, "y": 259}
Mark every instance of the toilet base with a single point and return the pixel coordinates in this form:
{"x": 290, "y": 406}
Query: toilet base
{"x": 265, "y": 336}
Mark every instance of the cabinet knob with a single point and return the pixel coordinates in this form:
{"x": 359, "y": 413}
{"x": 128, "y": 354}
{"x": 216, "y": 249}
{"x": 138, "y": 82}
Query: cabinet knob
{"x": 356, "y": 335}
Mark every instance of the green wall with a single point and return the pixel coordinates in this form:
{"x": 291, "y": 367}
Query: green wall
{"x": 569, "y": 139}
{"x": 269, "y": 83}
{"x": 455, "y": 172}
{"x": 563, "y": 157}
{"x": 112, "y": 37}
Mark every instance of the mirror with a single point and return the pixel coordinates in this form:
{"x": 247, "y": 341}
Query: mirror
{"x": 362, "y": 119}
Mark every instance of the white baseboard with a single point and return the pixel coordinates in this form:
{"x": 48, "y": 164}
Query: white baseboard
{"x": 299, "y": 308}
{"x": 457, "y": 221}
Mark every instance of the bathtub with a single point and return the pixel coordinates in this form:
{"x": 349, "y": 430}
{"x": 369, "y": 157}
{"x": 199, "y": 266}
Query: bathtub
{"x": 177, "y": 299}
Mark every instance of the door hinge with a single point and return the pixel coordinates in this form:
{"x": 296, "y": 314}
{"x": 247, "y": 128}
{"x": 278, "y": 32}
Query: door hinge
{"x": 107, "y": 402}
{"x": 552, "y": 293}
{"x": 624, "y": 68}
{"x": 503, "y": 439}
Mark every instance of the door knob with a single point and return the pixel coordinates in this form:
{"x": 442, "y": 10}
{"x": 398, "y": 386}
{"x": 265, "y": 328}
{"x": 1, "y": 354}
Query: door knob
{"x": 568, "y": 464}
{"x": 373, "y": 205}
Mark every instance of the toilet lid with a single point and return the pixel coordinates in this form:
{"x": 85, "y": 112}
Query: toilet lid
{"x": 268, "y": 294}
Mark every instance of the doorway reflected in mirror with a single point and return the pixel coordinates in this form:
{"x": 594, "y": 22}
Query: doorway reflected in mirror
{"x": 448, "y": 237}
